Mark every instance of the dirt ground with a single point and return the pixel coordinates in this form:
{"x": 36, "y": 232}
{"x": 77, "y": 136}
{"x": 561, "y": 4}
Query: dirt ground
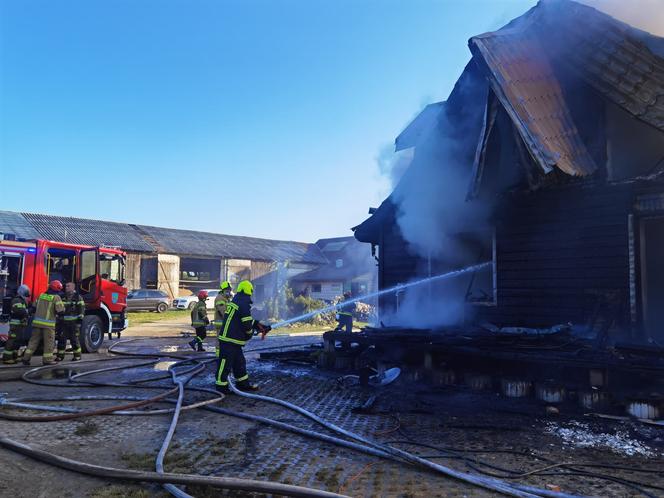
{"x": 468, "y": 431}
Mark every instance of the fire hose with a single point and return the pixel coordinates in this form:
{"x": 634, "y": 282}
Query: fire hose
{"x": 368, "y": 446}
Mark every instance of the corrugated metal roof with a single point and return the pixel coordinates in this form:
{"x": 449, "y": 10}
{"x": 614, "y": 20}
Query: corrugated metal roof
{"x": 613, "y": 57}
{"x": 232, "y": 246}
{"x": 523, "y": 79}
{"x": 14, "y": 223}
{"x": 88, "y": 232}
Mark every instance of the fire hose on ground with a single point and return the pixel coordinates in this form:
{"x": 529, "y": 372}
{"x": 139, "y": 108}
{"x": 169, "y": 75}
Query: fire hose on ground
{"x": 364, "y": 445}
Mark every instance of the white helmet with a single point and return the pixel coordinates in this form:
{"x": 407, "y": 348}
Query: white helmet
{"x": 23, "y": 291}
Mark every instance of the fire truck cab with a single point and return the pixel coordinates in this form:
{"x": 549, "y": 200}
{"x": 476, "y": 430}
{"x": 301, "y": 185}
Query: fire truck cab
{"x": 98, "y": 272}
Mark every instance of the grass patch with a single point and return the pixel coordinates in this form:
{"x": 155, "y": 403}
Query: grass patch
{"x": 139, "y": 461}
{"x": 141, "y": 317}
{"x": 87, "y": 428}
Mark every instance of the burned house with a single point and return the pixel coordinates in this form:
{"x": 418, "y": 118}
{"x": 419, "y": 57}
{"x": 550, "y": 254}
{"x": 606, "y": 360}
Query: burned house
{"x": 547, "y": 163}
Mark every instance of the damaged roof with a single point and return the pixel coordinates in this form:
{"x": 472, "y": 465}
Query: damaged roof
{"x": 520, "y": 63}
{"x": 522, "y": 78}
{"x": 623, "y": 63}
{"x": 612, "y": 57}
{"x": 417, "y": 129}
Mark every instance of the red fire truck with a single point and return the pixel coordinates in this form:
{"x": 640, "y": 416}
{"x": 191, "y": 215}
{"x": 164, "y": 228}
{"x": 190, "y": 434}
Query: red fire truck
{"x": 99, "y": 274}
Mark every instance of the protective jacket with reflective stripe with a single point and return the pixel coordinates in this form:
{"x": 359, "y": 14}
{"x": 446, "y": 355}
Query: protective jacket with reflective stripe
{"x": 49, "y": 305}
{"x": 199, "y": 314}
{"x": 238, "y": 324}
{"x": 18, "y": 314}
{"x": 220, "y": 303}
{"x": 345, "y": 310}
{"x": 74, "y": 307}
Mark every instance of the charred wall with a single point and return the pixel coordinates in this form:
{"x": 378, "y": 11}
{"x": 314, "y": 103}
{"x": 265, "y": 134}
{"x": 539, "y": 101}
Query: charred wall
{"x": 562, "y": 255}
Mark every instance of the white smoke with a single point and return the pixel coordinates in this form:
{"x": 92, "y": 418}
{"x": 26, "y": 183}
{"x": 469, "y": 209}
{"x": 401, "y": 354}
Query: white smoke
{"x": 647, "y": 15}
{"x": 431, "y": 197}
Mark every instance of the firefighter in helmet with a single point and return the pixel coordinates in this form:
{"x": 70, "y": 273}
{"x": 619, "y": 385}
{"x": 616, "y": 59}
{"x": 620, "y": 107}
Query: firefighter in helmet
{"x": 49, "y": 309}
{"x": 200, "y": 321}
{"x": 220, "y": 302}
{"x": 344, "y": 315}
{"x": 19, "y": 314}
{"x": 238, "y": 327}
{"x": 70, "y": 326}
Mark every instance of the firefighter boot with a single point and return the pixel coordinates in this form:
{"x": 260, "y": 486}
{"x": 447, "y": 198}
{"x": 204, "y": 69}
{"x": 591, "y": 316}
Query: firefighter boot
{"x": 223, "y": 389}
{"x": 201, "y": 349}
{"x": 193, "y": 344}
{"x": 247, "y": 387}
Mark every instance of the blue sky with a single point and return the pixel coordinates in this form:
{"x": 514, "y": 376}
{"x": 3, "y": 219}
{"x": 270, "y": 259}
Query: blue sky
{"x": 250, "y": 117}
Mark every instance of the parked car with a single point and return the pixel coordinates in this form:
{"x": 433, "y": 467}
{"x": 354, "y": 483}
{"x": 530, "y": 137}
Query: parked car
{"x": 148, "y": 299}
{"x": 185, "y": 302}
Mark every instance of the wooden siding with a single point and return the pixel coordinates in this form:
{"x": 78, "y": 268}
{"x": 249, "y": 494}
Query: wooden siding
{"x": 559, "y": 253}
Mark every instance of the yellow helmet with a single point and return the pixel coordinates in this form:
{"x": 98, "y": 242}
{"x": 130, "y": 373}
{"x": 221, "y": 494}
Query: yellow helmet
{"x": 225, "y": 285}
{"x": 246, "y": 287}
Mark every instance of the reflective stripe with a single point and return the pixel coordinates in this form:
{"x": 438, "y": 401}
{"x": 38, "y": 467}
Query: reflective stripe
{"x": 47, "y": 297}
{"x": 218, "y": 323}
{"x": 47, "y": 355}
{"x": 18, "y": 305}
{"x": 70, "y": 318}
{"x": 61, "y": 352}
{"x": 232, "y": 341}
{"x": 229, "y": 319}
{"x": 77, "y": 350}
{"x": 243, "y": 378}
{"x": 344, "y": 313}
{"x": 197, "y": 324}
{"x": 43, "y": 323}
{"x": 14, "y": 321}
{"x": 247, "y": 319}
{"x": 221, "y": 369}
{"x": 232, "y": 306}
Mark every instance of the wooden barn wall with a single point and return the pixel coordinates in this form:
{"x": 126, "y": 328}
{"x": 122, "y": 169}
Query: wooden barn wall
{"x": 396, "y": 264}
{"x": 559, "y": 253}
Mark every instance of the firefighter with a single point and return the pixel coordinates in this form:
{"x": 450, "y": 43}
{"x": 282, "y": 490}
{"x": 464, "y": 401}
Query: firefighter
{"x": 70, "y": 326}
{"x": 49, "y": 309}
{"x": 199, "y": 320}
{"x": 237, "y": 329}
{"x": 344, "y": 316}
{"x": 220, "y": 302}
{"x": 19, "y": 315}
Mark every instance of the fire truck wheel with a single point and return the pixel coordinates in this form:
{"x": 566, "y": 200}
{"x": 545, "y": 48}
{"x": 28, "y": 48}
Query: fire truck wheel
{"x": 92, "y": 334}
{"x": 161, "y": 307}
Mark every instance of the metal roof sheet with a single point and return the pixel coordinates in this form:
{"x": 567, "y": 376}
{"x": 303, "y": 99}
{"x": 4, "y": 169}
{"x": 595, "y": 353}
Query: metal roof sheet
{"x": 424, "y": 122}
{"x": 14, "y": 223}
{"x": 88, "y": 232}
{"x": 523, "y": 79}
{"x": 233, "y": 246}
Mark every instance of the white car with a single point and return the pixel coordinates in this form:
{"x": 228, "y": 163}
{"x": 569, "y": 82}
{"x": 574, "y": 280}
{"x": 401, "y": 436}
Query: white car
{"x": 187, "y": 302}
